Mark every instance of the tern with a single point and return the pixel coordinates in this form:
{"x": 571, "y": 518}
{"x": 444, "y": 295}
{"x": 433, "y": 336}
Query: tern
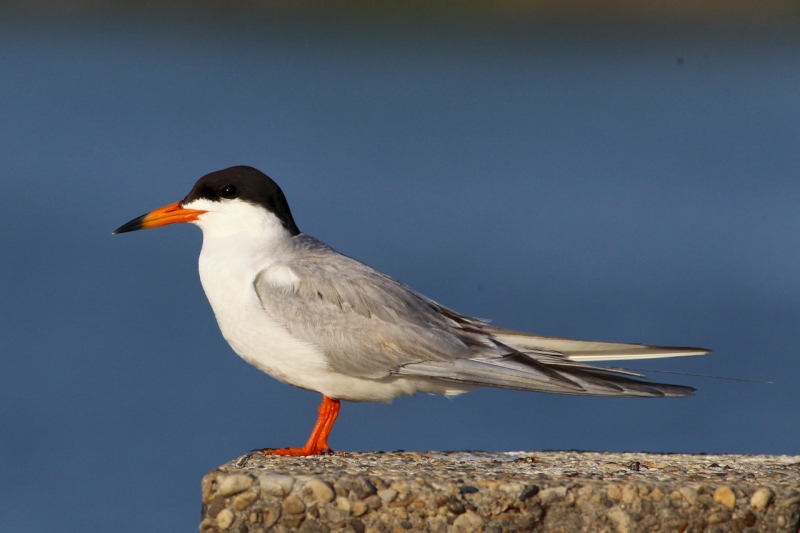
{"x": 314, "y": 318}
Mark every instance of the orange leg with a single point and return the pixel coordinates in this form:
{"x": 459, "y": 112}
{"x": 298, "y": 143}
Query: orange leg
{"x": 318, "y": 441}
{"x": 330, "y": 419}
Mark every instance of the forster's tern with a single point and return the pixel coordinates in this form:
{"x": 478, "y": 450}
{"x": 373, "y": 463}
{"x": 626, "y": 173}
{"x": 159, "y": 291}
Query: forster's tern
{"x": 316, "y": 319}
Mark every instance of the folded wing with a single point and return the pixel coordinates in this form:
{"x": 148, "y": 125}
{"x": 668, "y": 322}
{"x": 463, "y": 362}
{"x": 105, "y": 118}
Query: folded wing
{"x": 370, "y": 325}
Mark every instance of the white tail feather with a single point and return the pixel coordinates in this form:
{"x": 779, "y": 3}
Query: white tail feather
{"x": 586, "y": 351}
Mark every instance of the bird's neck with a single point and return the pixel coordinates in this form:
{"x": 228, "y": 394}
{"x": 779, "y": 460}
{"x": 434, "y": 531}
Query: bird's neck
{"x": 243, "y": 252}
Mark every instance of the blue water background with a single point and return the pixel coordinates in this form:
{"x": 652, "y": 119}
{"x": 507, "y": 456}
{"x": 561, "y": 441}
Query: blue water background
{"x": 612, "y": 184}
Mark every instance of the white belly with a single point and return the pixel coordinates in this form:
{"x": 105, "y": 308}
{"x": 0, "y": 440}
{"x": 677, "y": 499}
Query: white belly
{"x": 266, "y": 343}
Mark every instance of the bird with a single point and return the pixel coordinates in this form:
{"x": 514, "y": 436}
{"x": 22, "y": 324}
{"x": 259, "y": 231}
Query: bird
{"x": 319, "y": 320}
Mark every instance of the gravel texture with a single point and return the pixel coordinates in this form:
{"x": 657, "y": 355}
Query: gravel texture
{"x": 465, "y": 492}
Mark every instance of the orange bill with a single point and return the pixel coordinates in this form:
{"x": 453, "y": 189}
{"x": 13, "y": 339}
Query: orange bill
{"x": 169, "y": 214}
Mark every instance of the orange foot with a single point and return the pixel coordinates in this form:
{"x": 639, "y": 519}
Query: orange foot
{"x": 305, "y": 451}
{"x": 318, "y": 442}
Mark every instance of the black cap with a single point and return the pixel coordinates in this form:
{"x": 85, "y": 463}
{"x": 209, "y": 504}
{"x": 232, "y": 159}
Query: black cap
{"x": 247, "y": 184}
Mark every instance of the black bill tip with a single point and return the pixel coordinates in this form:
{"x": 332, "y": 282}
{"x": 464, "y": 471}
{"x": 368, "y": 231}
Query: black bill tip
{"x": 133, "y": 225}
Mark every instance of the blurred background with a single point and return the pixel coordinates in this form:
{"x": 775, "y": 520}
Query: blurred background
{"x": 616, "y": 171}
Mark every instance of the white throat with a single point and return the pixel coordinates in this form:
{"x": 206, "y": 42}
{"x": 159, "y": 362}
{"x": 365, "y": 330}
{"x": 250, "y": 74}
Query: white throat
{"x": 232, "y": 218}
{"x": 239, "y": 240}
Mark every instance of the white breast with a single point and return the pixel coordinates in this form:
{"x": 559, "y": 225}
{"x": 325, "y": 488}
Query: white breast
{"x": 227, "y": 275}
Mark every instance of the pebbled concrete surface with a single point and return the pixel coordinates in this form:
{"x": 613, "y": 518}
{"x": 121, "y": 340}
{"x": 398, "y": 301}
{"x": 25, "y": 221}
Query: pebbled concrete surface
{"x": 466, "y": 492}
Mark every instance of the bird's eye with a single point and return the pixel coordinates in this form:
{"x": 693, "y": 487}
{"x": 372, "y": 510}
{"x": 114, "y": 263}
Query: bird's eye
{"x": 228, "y": 191}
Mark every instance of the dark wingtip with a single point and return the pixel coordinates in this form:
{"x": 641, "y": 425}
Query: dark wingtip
{"x": 133, "y": 225}
{"x": 678, "y": 391}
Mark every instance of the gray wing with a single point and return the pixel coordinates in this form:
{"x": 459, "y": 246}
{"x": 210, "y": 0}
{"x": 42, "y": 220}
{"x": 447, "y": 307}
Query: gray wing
{"x": 371, "y": 325}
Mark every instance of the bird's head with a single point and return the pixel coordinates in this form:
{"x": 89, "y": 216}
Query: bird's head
{"x": 236, "y": 200}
